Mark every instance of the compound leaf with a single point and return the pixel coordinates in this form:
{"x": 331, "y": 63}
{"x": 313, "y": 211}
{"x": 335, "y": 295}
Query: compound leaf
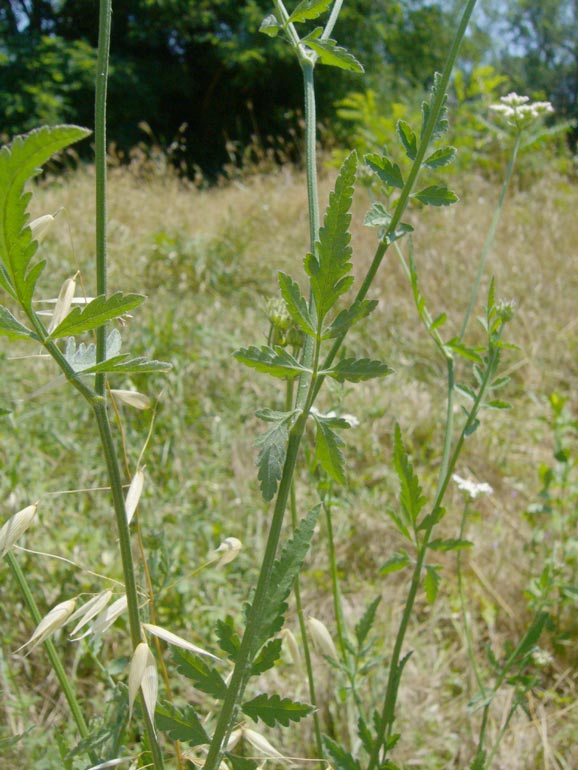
{"x": 408, "y": 138}
{"x": 267, "y": 657}
{"x": 411, "y": 497}
{"x": 442, "y": 157}
{"x": 386, "y": 170}
{"x": 273, "y": 449}
{"x": 328, "y": 452}
{"x": 349, "y": 317}
{"x": 431, "y": 583}
{"x": 341, "y": 759}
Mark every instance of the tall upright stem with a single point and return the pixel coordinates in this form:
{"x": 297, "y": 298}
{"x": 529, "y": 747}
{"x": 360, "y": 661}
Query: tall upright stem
{"x": 104, "y": 28}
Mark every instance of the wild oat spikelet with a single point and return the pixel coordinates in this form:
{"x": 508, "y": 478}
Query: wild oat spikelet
{"x": 15, "y": 527}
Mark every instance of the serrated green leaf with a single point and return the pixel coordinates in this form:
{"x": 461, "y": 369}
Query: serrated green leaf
{"x": 180, "y": 724}
{"x": 341, "y": 759}
{"x": 206, "y": 678}
{"x": 399, "y": 561}
{"x": 12, "y": 328}
{"x": 283, "y": 575}
{"x": 497, "y": 403}
{"x": 500, "y": 382}
{"x": 365, "y": 735}
{"x": 408, "y": 138}
{"x": 466, "y": 391}
{"x": 328, "y": 268}
{"x": 449, "y": 544}
{"x": 308, "y": 10}
{"x": 436, "y": 195}
{"x": 441, "y": 124}
{"x": 228, "y": 638}
{"x": 442, "y": 157}
{"x": 270, "y": 26}
{"x": 273, "y": 450}
{"x": 277, "y": 361}
{"x": 411, "y": 497}
{"x": 386, "y": 170}
{"x": 365, "y": 624}
{"x": 96, "y": 313}
{"x": 274, "y": 710}
{"x": 125, "y": 365}
{"x": 332, "y": 54}
{"x": 429, "y": 521}
{"x": 349, "y": 317}
{"x": 328, "y": 452}
{"x": 296, "y": 304}
{"x": 377, "y": 216}
{"x": 267, "y": 657}
{"x": 20, "y": 161}
{"x": 431, "y": 583}
{"x": 357, "y": 370}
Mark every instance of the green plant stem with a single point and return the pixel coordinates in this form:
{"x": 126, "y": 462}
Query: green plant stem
{"x": 122, "y": 526}
{"x": 335, "y": 11}
{"x": 390, "y": 700}
{"x": 467, "y": 628}
{"x": 246, "y": 650}
{"x": 403, "y": 200}
{"x": 491, "y": 234}
{"x": 53, "y": 656}
{"x": 305, "y": 640}
{"x": 104, "y": 27}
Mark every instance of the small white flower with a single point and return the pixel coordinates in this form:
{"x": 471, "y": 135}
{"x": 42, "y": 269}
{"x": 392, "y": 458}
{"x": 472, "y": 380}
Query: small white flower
{"x": 519, "y": 112}
{"x": 472, "y": 489}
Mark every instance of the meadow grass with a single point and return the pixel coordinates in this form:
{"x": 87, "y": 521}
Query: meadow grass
{"x": 199, "y": 257}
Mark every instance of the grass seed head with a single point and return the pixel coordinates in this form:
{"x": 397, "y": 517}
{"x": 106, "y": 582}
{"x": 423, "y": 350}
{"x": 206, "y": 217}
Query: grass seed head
{"x": 175, "y": 640}
{"x": 133, "y": 494}
{"x": 40, "y": 226}
{"x": 132, "y": 398}
{"x": 50, "y": 623}
{"x": 322, "y": 638}
{"x": 143, "y": 674}
{"x": 15, "y": 527}
{"x": 228, "y": 550}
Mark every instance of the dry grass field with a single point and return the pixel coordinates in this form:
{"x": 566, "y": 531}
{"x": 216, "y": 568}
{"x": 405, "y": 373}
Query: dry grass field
{"x": 207, "y": 260}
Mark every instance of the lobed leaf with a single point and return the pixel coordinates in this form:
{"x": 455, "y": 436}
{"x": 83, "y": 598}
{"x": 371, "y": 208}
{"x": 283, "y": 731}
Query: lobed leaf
{"x": 267, "y": 657}
{"x": 386, "y": 170}
{"x": 228, "y": 638}
{"x": 332, "y": 54}
{"x": 449, "y": 544}
{"x": 274, "y": 361}
{"x": 296, "y": 304}
{"x": 205, "y": 678}
{"x": 411, "y": 497}
{"x": 283, "y": 574}
{"x": 308, "y": 10}
{"x": 180, "y": 724}
{"x": 348, "y": 318}
{"x": 395, "y": 563}
{"x": 431, "y": 583}
{"x": 341, "y": 759}
{"x": 357, "y": 370}
{"x": 20, "y": 162}
{"x": 12, "y": 328}
{"x": 442, "y": 157}
{"x": 96, "y": 313}
{"x": 441, "y": 125}
{"x": 273, "y": 449}
{"x": 408, "y": 138}
{"x": 328, "y": 269}
{"x": 436, "y": 195}
{"x": 328, "y": 452}
{"x": 270, "y": 26}
{"x": 274, "y": 710}
{"x": 365, "y": 624}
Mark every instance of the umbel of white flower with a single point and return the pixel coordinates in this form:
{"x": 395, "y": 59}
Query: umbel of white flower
{"x": 519, "y": 112}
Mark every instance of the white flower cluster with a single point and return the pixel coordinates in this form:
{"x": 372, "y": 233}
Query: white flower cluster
{"x": 519, "y": 112}
{"x": 470, "y": 488}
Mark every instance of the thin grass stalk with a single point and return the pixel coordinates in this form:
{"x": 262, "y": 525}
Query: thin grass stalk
{"x": 491, "y": 234}
{"x": 103, "y": 55}
{"x": 461, "y": 592}
{"x": 53, "y": 656}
